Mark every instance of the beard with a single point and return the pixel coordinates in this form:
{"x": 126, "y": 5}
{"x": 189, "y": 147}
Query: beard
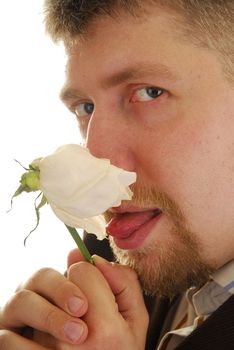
{"x": 172, "y": 265}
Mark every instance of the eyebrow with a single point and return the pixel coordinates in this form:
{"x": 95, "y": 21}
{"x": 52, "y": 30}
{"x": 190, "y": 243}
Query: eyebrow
{"x": 128, "y": 74}
{"x": 139, "y": 71}
{"x": 68, "y": 93}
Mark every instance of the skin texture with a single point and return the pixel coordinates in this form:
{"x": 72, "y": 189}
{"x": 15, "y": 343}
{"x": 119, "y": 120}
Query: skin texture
{"x": 45, "y": 299}
{"x": 180, "y": 143}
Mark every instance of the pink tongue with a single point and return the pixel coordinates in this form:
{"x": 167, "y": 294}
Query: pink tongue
{"x": 123, "y": 225}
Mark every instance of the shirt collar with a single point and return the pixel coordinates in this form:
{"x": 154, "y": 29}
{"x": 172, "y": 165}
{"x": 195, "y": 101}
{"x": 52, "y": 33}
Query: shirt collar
{"x": 225, "y": 277}
{"x": 214, "y": 293}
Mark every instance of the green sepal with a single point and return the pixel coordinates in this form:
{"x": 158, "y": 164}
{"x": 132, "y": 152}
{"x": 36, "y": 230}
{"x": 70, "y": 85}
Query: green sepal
{"x": 34, "y": 165}
{"x": 19, "y": 190}
{"x": 29, "y": 181}
{"x": 42, "y": 202}
{"x": 37, "y": 210}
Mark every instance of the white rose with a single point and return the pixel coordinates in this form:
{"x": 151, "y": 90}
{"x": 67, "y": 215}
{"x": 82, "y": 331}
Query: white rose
{"x": 79, "y": 187}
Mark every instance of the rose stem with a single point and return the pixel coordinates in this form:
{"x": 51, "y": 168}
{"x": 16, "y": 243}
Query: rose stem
{"x": 75, "y": 235}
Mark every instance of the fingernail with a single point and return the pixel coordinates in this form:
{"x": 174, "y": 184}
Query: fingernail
{"x": 98, "y": 259}
{"x": 73, "y": 331}
{"x": 74, "y": 304}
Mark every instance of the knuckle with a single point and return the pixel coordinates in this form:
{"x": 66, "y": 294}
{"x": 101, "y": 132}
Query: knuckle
{"x": 16, "y": 301}
{"x": 63, "y": 291}
{"x": 53, "y": 322}
{"x": 49, "y": 317}
{"x": 38, "y": 276}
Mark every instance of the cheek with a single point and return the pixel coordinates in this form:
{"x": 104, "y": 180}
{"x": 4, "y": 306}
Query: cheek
{"x": 170, "y": 154}
{"x": 205, "y": 194}
{"x": 192, "y": 165}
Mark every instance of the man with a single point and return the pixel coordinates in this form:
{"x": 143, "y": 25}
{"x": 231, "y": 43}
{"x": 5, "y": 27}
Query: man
{"x": 152, "y": 86}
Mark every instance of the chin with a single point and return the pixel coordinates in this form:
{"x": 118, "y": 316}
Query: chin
{"x": 169, "y": 267}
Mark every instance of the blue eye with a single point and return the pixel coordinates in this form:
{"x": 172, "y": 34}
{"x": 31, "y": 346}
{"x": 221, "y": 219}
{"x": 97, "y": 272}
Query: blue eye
{"x": 147, "y": 94}
{"x": 84, "y": 109}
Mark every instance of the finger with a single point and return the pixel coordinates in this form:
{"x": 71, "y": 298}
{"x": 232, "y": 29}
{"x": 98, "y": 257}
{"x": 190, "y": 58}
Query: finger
{"x": 29, "y": 309}
{"x": 74, "y": 256}
{"x": 104, "y": 322}
{"x": 56, "y": 288}
{"x": 124, "y": 284}
{"x": 93, "y": 284}
{"x": 13, "y": 341}
{"x": 116, "y": 309}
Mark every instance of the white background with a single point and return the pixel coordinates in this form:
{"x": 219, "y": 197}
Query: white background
{"x": 33, "y": 123}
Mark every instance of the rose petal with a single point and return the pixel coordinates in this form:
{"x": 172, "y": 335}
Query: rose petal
{"x": 79, "y": 187}
{"x": 95, "y": 224}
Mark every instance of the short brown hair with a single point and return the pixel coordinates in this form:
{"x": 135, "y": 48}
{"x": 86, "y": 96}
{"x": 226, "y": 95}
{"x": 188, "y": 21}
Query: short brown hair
{"x": 209, "y": 23}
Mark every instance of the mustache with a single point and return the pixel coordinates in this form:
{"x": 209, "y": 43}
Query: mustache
{"x": 152, "y": 197}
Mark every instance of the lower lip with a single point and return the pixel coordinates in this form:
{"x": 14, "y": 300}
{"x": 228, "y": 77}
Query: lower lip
{"x": 137, "y": 238}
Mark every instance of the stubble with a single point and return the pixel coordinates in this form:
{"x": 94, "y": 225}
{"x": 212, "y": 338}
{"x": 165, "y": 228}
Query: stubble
{"x": 173, "y": 264}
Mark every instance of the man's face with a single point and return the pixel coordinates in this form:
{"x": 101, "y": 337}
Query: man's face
{"x": 161, "y": 107}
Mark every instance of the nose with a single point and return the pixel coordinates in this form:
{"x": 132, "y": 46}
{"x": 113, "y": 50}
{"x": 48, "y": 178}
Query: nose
{"x": 109, "y": 136}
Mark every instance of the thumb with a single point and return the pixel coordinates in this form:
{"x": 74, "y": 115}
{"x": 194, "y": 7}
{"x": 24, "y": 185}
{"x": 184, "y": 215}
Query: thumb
{"x": 125, "y": 286}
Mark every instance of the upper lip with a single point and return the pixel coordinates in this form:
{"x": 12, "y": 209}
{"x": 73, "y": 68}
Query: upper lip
{"x": 130, "y": 209}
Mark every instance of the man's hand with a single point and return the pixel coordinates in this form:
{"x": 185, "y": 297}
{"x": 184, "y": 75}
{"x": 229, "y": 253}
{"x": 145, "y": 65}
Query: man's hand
{"x": 116, "y": 317}
{"x": 48, "y": 302}
{"x": 108, "y": 314}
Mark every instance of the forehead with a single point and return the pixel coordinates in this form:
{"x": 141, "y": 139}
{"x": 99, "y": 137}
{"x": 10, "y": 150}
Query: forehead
{"x": 119, "y": 47}
{"x": 111, "y": 42}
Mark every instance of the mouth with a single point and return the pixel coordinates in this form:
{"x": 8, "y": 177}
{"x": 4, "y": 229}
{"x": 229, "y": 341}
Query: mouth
{"x": 130, "y": 228}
